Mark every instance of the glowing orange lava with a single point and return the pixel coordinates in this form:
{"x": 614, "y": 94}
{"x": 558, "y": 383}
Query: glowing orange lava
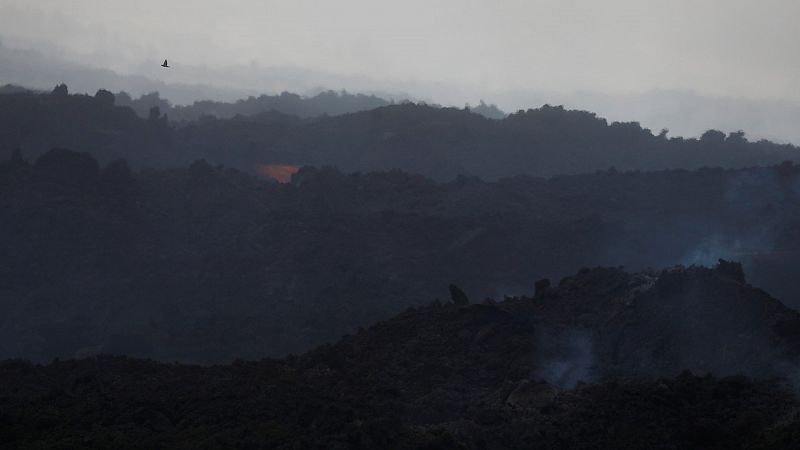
{"x": 282, "y": 173}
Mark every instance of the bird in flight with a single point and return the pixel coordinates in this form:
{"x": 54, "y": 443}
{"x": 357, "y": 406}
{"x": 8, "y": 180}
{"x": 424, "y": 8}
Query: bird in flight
{"x": 165, "y": 64}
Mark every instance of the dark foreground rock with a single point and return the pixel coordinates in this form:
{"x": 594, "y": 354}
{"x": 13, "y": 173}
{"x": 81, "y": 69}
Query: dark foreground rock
{"x": 122, "y": 403}
{"x": 596, "y": 361}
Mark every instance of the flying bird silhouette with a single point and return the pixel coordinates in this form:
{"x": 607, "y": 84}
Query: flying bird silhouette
{"x": 165, "y": 64}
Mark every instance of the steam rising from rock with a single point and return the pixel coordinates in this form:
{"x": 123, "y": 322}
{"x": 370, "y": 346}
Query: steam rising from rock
{"x": 566, "y": 357}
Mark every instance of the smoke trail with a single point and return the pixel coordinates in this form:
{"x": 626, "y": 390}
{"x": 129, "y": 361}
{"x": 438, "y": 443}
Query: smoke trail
{"x": 565, "y": 357}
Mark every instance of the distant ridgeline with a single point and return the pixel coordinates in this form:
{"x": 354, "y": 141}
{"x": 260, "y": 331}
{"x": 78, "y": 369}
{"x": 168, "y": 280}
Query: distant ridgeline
{"x": 14, "y": 89}
{"x": 359, "y": 133}
{"x": 325, "y": 103}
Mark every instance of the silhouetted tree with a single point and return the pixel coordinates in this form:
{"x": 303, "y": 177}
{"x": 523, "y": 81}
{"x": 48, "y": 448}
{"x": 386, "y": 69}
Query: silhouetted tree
{"x": 736, "y": 137}
{"x": 713, "y": 137}
{"x": 68, "y": 167}
{"x": 60, "y": 91}
{"x": 104, "y": 98}
{"x": 155, "y": 114}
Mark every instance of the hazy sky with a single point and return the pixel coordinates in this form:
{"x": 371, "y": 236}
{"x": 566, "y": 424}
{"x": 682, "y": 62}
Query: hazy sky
{"x": 716, "y": 47}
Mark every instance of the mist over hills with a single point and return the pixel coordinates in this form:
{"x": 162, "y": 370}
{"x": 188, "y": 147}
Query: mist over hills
{"x": 685, "y": 113}
{"x": 323, "y": 103}
{"x": 34, "y": 70}
{"x": 437, "y": 142}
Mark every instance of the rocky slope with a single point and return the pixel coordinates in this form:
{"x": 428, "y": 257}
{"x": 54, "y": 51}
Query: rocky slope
{"x": 597, "y": 361}
{"x": 207, "y": 264}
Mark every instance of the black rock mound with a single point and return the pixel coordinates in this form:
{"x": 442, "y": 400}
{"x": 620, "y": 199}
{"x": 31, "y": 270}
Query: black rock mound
{"x": 597, "y": 361}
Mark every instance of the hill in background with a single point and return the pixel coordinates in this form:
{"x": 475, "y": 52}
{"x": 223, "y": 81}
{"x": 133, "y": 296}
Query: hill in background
{"x": 440, "y": 143}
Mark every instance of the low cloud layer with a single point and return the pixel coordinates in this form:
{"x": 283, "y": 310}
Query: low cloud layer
{"x": 715, "y": 47}
{"x": 686, "y": 66}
